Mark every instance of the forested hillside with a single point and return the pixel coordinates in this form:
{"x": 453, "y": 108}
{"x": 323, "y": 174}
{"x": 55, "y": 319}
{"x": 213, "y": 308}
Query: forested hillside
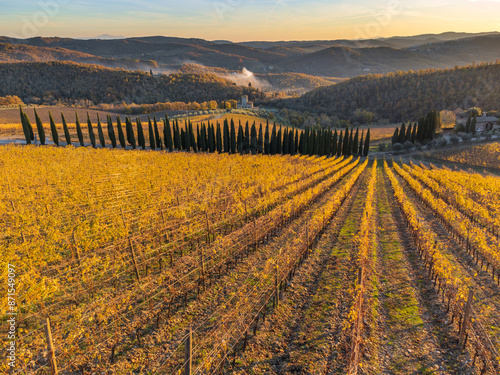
{"x": 405, "y": 96}
{"x": 71, "y": 82}
{"x": 24, "y": 53}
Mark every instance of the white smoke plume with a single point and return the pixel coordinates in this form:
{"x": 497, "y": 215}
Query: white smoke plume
{"x": 246, "y": 77}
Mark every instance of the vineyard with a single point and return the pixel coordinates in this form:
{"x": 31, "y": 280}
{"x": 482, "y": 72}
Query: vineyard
{"x": 485, "y": 155}
{"x": 146, "y": 262}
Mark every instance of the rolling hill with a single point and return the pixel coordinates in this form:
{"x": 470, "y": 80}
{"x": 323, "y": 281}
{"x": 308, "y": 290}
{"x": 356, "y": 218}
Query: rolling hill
{"x": 405, "y": 96}
{"x": 334, "y": 58}
{"x": 70, "y": 82}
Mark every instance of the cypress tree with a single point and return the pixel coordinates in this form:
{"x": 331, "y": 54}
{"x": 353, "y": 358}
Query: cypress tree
{"x": 429, "y": 125}
{"x": 340, "y": 144}
{"x": 53, "y": 130}
{"x": 301, "y": 143}
{"x": 351, "y": 141}
{"x": 438, "y": 121}
{"x": 355, "y": 140}
{"x": 296, "y": 145}
{"x": 175, "y": 138}
{"x": 27, "y": 135}
{"x": 140, "y": 133}
{"x": 360, "y": 151}
{"x": 240, "y": 139}
{"x": 287, "y": 136}
{"x": 111, "y": 132}
{"x": 152, "y": 140}
{"x": 333, "y": 147}
{"x": 367, "y": 143}
{"x": 207, "y": 136}
{"x": 219, "y": 138}
{"x": 91, "y": 132}
{"x": 187, "y": 136}
{"x": 79, "y": 132}
{"x": 178, "y": 139}
{"x": 345, "y": 146}
{"x": 402, "y": 134}
{"x": 100, "y": 132}
{"x": 246, "y": 147}
{"x": 328, "y": 142}
{"x": 285, "y": 143}
{"x": 274, "y": 142}
{"x": 209, "y": 139}
{"x": 26, "y": 132}
{"x": 192, "y": 139}
{"x": 203, "y": 138}
{"x": 30, "y": 135}
{"x": 317, "y": 142}
{"x": 167, "y": 134}
{"x": 183, "y": 139}
{"x": 267, "y": 142}
{"x": 260, "y": 141}
{"x": 121, "y": 136}
{"x": 395, "y": 136}
{"x": 311, "y": 138}
{"x": 159, "y": 143}
{"x": 279, "y": 142}
{"x": 413, "y": 137}
{"x": 233, "y": 138}
{"x": 39, "y": 127}
{"x": 320, "y": 143}
{"x": 67, "y": 135}
{"x": 419, "y": 130}
{"x": 408, "y": 133}
{"x": 227, "y": 144}
{"x": 253, "y": 139}
{"x": 198, "y": 138}
{"x": 186, "y": 140}
{"x": 212, "y": 143}
{"x": 130, "y": 132}
{"x": 291, "y": 141}
{"x": 467, "y": 125}
{"x": 473, "y": 125}
{"x": 435, "y": 124}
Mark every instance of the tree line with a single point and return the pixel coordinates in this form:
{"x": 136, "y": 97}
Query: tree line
{"x": 422, "y": 131}
{"x": 210, "y": 137}
{"x": 70, "y": 83}
{"x": 325, "y": 142}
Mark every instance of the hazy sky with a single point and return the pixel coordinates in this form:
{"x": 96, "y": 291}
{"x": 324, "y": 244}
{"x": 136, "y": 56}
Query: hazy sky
{"x": 238, "y": 20}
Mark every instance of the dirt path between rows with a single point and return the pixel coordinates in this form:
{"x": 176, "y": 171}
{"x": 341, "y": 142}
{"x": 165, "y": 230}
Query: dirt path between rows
{"x": 414, "y": 338}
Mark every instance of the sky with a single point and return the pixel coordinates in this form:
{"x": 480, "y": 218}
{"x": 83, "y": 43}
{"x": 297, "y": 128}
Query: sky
{"x": 249, "y": 20}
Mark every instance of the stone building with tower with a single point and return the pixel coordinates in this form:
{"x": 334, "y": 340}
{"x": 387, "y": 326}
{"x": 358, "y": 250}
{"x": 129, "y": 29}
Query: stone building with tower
{"x": 245, "y": 104}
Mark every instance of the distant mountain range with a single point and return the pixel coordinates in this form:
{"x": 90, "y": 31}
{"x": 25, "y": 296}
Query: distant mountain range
{"x": 328, "y": 58}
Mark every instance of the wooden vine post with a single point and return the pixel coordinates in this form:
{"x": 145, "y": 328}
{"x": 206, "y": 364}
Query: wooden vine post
{"x": 188, "y": 352}
{"x": 50, "y": 348}
{"x": 208, "y": 228}
{"x": 202, "y": 268}
{"x": 76, "y": 248}
{"x": 133, "y": 258}
{"x": 276, "y": 285}
{"x": 465, "y": 321}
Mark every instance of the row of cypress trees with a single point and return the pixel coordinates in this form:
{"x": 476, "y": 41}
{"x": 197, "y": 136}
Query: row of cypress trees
{"x": 208, "y": 137}
{"x": 233, "y": 139}
{"x": 325, "y": 142}
{"x": 422, "y": 131}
